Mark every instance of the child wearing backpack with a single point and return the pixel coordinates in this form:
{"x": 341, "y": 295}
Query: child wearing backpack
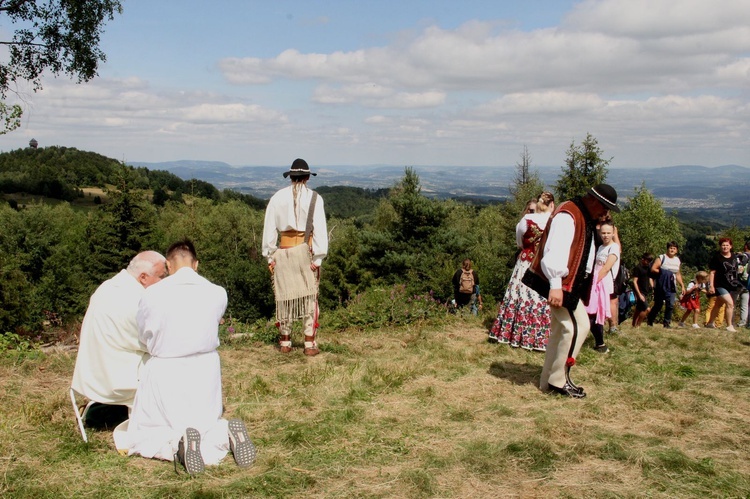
{"x": 691, "y": 300}
{"x": 466, "y": 287}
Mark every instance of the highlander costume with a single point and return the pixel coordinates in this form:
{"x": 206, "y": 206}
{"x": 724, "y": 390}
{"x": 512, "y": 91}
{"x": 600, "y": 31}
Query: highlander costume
{"x": 296, "y": 216}
{"x": 565, "y": 262}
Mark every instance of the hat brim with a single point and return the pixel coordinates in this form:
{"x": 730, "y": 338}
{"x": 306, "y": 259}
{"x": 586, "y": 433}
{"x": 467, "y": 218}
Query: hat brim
{"x": 605, "y": 202}
{"x": 297, "y": 173}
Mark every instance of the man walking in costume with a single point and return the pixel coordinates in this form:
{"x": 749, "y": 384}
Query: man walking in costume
{"x": 295, "y": 241}
{"x": 562, "y": 272}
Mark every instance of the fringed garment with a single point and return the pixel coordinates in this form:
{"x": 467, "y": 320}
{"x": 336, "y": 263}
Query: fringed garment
{"x": 294, "y": 283}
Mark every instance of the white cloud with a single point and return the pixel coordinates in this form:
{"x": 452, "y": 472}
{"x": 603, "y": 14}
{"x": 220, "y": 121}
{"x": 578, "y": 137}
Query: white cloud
{"x": 377, "y": 96}
{"x": 658, "y": 18}
{"x": 648, "y": 78}
{"x": 230, "y": 113}
{"x": 604, "y": 45}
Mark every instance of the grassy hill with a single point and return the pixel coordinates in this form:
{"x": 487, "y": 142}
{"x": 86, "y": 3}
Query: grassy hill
{"x": 427, "y": 410}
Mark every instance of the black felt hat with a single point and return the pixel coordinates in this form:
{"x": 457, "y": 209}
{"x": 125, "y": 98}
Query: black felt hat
{"x": 299, "y": 168}
{"x": 606, "y": 195}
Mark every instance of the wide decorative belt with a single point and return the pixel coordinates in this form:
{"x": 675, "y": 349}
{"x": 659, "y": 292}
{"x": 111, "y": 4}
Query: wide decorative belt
{"x": 290, "y": 238}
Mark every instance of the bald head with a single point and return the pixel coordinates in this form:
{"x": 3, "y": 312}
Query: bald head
{"x": 148, "y": 267}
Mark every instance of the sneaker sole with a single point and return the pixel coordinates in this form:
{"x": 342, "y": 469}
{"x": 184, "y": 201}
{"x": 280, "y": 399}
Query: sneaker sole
{"x": 242, "y": 448}
{"x": 193, "y": 459}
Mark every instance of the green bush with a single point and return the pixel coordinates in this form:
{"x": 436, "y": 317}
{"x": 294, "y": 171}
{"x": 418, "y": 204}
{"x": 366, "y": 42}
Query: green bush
{"x": 382, "y": 307}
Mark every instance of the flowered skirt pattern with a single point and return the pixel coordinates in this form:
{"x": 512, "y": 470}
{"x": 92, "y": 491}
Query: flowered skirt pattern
{"x": 523, "y": 317}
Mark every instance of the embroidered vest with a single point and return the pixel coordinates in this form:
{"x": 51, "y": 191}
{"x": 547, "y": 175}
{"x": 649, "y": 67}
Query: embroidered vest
{"x": 576, "y": 285}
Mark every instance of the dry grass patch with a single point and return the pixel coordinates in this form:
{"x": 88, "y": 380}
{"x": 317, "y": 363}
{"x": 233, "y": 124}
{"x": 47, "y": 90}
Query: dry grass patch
{"x": 421, "y": 412}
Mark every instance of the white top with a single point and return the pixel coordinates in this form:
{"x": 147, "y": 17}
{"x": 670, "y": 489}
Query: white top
{"x": 179, "y": 316}
{"x": 603, "y": 253}
{"x": 671, "y": 264}
{"x": 557, "y": 250}
{"x": 109, "y": 352}
{"x": 540, "y": 219}
{"x": 281, "y": 216}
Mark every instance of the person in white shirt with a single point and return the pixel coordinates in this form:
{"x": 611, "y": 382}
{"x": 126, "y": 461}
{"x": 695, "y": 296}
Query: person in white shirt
{"x": 606, "y": 268}
{"x": 295, "y": 241}
{"x": 562, "y": 271}
{"x": 109, "y": 353}
{"x": 178, "y": 404}
{"x": 665, "y": 284}
{"x": 523, "y": 317}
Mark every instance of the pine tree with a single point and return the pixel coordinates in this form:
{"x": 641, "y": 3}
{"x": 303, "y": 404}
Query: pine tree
{"x": 527, "y": 185}
{"x": 584, "y": 168}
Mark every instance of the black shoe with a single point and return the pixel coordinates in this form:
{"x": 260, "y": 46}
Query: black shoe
{"x": 575, "y": 387}
{"x": 601, "y": 349}
{"x": 569, "y": 391}
{"x": 189, "y": 452}
{"x": 242, "y": 448}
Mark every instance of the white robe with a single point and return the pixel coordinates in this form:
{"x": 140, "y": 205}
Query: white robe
{"x": 180, "y": 384}
{"x": 109, "y": 352}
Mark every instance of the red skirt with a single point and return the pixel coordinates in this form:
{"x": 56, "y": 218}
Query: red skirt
{"x": 691, "y": 301}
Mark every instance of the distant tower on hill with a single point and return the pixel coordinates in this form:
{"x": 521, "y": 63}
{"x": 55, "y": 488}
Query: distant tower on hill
{"x": 33, "y": 143}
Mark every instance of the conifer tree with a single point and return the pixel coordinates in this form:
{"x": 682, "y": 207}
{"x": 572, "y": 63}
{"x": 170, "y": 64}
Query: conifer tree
{"x": 584, "y": 168}
{"x": 527, "y": 185}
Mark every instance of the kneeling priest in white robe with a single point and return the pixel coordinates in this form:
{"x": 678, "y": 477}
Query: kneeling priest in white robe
{"x": 180, "y": 384}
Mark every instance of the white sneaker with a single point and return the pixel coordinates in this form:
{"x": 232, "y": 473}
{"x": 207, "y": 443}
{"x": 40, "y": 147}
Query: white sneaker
{"x": 731, "y": 329}
{"x": 696, "y": 326}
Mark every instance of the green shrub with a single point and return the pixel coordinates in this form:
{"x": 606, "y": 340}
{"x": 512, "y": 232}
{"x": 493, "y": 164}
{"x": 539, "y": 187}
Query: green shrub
{"x": 384, "y": 307}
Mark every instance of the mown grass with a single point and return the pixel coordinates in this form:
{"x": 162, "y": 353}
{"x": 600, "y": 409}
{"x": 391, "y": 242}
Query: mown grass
{"x": 420, "y": 411}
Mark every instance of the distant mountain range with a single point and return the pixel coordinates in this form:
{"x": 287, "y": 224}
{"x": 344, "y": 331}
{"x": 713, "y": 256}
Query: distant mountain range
{"x": 722, "y": 190}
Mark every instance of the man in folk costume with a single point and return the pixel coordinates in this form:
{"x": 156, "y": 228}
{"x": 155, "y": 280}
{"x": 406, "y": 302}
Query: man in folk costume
{"x": 295, "y": 241}
{"x": 109, "y": 353}
{"x": 178, "y": 404}
{"x": 562, "y": 272}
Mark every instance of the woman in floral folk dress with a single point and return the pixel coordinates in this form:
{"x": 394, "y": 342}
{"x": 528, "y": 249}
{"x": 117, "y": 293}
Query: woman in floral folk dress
{"x": 523, "y": 318}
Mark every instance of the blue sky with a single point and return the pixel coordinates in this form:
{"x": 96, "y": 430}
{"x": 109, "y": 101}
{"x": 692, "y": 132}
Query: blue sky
{"x": 657, "y": 82}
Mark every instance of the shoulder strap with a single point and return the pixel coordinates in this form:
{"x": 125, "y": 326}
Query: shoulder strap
{"x": 310, "y": 213}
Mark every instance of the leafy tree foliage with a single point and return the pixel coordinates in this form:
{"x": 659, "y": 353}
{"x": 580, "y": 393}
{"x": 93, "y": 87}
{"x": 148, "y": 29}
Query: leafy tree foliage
{"x": 57, "y": 36}
{"x": 644, "y": 226}
{"x": 584, "y": 168}
{"x": 411, "y": 240}
{"x": 351, "y": 202}
{"x": 43, "y": 269}
{"x": 52, "y": 258}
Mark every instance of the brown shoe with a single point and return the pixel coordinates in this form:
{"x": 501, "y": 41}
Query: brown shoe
{"x": 311, "y": 346}
{"x": 285, "y": 343}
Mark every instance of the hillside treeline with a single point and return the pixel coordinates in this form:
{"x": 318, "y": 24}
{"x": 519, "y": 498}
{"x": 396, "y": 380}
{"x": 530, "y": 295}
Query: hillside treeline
{"x": 60, "y": 173}
{"x": 52, "y": 257}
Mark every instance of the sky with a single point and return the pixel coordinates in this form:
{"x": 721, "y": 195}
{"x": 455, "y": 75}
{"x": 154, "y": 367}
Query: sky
{"x": 408, "y": 83}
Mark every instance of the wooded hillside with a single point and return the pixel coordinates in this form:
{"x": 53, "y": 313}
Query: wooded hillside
{"x": 53, "y": 255}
